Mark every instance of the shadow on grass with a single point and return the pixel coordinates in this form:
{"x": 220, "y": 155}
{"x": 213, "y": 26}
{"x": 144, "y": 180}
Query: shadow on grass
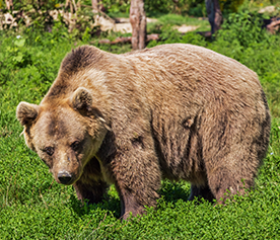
{"x": 15, "y": 193}
{"x": 109, "y": 204}
{"x": 171, "y": 192}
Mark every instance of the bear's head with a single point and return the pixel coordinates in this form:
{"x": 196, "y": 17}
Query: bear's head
{"x": 65, "y": 134}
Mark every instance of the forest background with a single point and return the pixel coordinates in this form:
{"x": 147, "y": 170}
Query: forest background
{"x": 32, "y": 45}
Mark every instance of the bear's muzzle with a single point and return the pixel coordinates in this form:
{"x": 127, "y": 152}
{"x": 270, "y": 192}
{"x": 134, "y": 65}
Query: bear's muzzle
{"x": 65, "y": 177}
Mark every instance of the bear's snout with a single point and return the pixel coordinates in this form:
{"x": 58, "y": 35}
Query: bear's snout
{"x": 65, "y": 177}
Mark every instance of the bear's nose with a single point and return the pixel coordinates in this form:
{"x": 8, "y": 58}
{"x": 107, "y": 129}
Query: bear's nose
{"x": 64, "y": 177}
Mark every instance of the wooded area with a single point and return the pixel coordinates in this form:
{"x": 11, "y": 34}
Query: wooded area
{"x": 73, "y": 15}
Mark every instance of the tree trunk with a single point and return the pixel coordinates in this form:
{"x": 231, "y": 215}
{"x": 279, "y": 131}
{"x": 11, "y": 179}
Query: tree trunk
{"x": 9, "y": 4}
{"x": 138, "y": 23}
{"x": 214, "y": 14}
{"x": 94, "y": 4}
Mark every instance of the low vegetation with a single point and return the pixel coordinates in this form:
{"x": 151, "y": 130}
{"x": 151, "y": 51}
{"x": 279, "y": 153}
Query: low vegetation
{"x": 34, "y": 206}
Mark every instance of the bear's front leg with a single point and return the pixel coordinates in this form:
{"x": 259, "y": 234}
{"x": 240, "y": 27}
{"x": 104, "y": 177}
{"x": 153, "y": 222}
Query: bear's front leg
{"x": 93, "y": 191}
{"x": 91, "y": 185}
{"x": 136, "y": 172}
{"x": 201, "y": 192}
{"x": 130, "y": 204}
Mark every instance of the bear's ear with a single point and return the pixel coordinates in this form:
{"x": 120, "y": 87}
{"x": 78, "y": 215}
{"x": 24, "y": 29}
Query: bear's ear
{"x": 82, "y": 100}
{"x": 26, "y": 113}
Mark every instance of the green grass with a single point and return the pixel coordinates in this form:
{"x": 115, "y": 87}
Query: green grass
{"x": 167, "y": 21}
{"x": 34, "y": 206}
{"x": 174, "y": 19}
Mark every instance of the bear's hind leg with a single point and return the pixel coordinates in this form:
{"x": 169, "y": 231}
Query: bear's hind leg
{"x": 224, "y": 183}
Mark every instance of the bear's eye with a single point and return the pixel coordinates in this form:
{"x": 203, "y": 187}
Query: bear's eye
{"x": 49, "y": 150}
{"x": 75, "y": 146}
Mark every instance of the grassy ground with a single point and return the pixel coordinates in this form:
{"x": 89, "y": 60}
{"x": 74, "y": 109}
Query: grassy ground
{"x": 168, "y": 20}
{"x": 33, "y": 206}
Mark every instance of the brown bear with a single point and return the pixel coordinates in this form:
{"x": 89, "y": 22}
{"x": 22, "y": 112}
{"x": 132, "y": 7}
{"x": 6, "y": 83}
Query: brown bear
{"x": 174, "y": 111}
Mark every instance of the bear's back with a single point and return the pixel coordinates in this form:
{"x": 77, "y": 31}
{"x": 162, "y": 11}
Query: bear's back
{"x": 187, "y": 70}
{"x": 203, "y": 64}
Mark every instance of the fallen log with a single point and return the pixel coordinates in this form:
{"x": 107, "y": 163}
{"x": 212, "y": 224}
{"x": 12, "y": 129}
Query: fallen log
{"x": 149, "y": 38}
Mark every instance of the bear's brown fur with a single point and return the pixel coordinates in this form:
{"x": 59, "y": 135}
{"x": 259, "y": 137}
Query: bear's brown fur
{"x": 173, "y": 111}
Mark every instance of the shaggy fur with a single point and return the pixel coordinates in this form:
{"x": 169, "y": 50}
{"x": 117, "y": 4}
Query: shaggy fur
{"x": 174, "y": 111}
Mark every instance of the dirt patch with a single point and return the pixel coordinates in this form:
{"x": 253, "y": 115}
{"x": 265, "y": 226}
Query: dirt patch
{"x": 185, "y": 28}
